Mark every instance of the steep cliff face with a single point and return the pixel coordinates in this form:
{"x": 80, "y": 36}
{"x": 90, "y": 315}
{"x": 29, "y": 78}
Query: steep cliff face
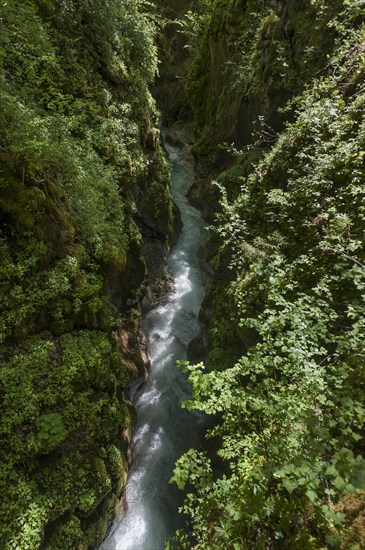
{"x": 84, "y": 188}
{"x": 174, "y": 59}
{"x": 283, "y": 340}
{"x": 251, "y": 58}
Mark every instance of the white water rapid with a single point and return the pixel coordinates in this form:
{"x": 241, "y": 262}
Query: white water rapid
{"x": 164, "y": 430}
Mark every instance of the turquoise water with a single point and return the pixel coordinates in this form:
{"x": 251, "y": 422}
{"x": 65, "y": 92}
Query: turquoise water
{"x": 164, "y": 430}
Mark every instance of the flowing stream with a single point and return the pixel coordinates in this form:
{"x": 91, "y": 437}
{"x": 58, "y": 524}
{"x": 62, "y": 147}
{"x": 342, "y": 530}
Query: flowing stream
{"x": 164, "y": 430}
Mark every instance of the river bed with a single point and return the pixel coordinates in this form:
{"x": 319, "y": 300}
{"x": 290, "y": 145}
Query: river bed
{"x": 163, "y": 430}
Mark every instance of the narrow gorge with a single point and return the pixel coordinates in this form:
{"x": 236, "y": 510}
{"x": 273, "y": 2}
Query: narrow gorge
{"x": 164, "y": 430}
{"x": 182, "y": 317}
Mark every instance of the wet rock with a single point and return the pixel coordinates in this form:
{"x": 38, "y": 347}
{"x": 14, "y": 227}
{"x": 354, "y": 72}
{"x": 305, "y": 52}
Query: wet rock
{"x": 196, "y": 351}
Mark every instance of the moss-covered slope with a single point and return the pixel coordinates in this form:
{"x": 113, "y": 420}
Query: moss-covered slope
{"x": 284, "y": 380}
{"x": 81, "y": 175}
{"x": 251, "y": 57}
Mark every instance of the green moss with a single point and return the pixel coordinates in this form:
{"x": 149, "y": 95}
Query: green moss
{"x": 198, "y": 80}
{"x": 78, "y": 139}
{"x": 155, "y": 206}
{"x": 285, "y": 382}
{"x": 249, "y": 51}
{"x": 61, "y": 410}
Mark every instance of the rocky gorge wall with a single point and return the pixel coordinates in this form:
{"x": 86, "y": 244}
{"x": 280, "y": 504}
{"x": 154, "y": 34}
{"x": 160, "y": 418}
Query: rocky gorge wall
{"x": 238, "y": 65}
{"x": 250, "y": 60}
{"x": 86, "y": 217}
{"x": 276, "y": 91}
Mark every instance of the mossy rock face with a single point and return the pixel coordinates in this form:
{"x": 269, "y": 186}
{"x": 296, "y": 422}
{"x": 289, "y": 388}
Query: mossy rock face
{"x": 154, "y": 198}
{"x": 124, "y": 287}
{"x": 353, "y": 506}
{"x": 43, "y": 211}
{"x": 153, "y": 209}
{"x": 251, "y": 59}
{"x": 79, "y": 148}
{"x": 75, "y": 455}
{"x": 174, "y": 55}
{"x": 22, "y": 203}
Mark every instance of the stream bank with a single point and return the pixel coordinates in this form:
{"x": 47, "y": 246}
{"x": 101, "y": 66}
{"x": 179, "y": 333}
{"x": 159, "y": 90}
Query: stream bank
{"x": 164, "y": 430}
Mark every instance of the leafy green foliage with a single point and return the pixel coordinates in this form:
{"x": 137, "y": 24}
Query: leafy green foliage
{"x": 60, "y": 412}
{"x": 263, "y": 54}
{"x": 288, "y": 416}
{"x": 78, "y": 147}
